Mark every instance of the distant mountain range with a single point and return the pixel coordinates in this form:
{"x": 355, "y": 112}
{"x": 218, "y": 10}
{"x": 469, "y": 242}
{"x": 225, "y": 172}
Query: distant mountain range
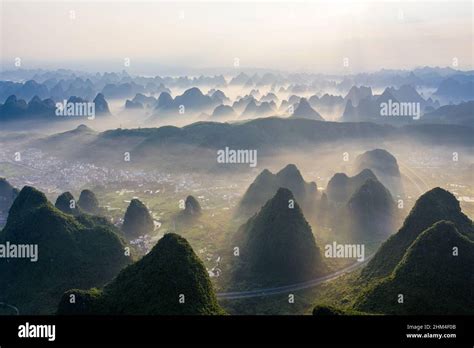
{"x": 461, "y": 114}
{"x": 61, "y": 84}
{"x": 191, "y": 101}
{"x": 223, "y": 111}
{"x": 153, "y": 95}
{"x": 36, "y": 109}
{"x": 452, "y": 90}
{"x": 370, "y": 107}
{"x": 356, "y": 94}
{"x": 266, "y": 135}
{"x": 304, "y": 110}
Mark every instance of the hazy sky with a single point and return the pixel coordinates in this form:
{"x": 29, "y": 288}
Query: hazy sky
{"x": 292, "y": 36}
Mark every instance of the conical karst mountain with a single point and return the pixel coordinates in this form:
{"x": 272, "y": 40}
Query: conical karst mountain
{"x": 101, "y": 105}
{"x": 223, "y": 111}
{"x": 263, "y": 188}
{"x": 88, "y": 202}
{"x": 165, "y": 101}
{"x": 240, "y": 79}
{"x": 194, "y": 100}
{"x": 304, "y": 110}
{"x": 7, "y": 195}
{"x": 251, "y": 109}
{"x": 218, "y": 96}
{"x": 137, "y": 220}
{"x": 341, "y": 187}
{"x": 434, "y": 277}
{"x": 385, "y": 167}
{"x": 131, "y": 105}
{"x": 67, "y": 204}
{"x": 36, "y": 106}
{"x": 265, "y": 109}
{"x": 433, "y": 206}
{"x": 266, "y": 185}
{"x": 368, "y": 109}
{"x": 278, "y": 246}
{"x": 192, "y": 207}
{"x": 144, "y": 101}
{"x": 170, "y": 280}
{"x": 70, "y": 253}
{"x": 356, "y": 94}
{"x": 371, "y": 211}
{"x": 13, "y": 108}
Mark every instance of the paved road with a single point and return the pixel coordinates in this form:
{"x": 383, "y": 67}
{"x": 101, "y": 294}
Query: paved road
{"x": 412, "y": 176}
{"x": 11, "y": 307}
{"x": 293, "y": 287}
{"x": 409, "y": 173}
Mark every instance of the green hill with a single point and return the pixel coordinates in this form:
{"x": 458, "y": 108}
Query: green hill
{"x": 371, "y": 211}
{"x": 433, "y": 206}
{"x": 266, "y": 185}
{"x": 384, "y": 165}
{"x": 67, "y": 204}
{"x": 71, "y": 253}
{"x": 341, "y": 187}
{"x": 152, "y": 286}
{"x": 88, "y": 202}
{"x": 137, "y": 220}
{"x": 278, "y": 246}
{"x": 192, "y": 206}
{"x": 430, "y": 277}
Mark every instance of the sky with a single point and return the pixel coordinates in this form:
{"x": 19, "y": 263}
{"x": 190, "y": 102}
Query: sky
{"x": 307, "y": 36}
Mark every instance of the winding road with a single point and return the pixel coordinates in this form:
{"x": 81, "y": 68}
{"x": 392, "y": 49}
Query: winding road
{"x": 11, "y": 307}
{"x": 410, "y": 174}
{"x": 293, "y": 287}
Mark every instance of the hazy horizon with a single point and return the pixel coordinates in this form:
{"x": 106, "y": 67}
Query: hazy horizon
{"x": 161, "y": 37}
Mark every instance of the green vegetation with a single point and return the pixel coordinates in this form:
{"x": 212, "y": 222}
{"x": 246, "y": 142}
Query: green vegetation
{"x": 328, "y": 310}
{"x": 71, "y": 253}
{"x": 433, "y": 206}
{"x": 341, "y": 187}
{"x": 418, "y": 270}
{"x": 371, "y": 211}
{"x": 278, "y": 246}
{"x": 88, "y": 202}
{"x": 266, "y": 185}
{"x": 431, "y": 277}
{"x": 170, "y": 280}
{"x": 67, "y": 204}
{"x": 210, "y": 234}
{"x": 192, "y": 206}
{"x": 137, "y": 220}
